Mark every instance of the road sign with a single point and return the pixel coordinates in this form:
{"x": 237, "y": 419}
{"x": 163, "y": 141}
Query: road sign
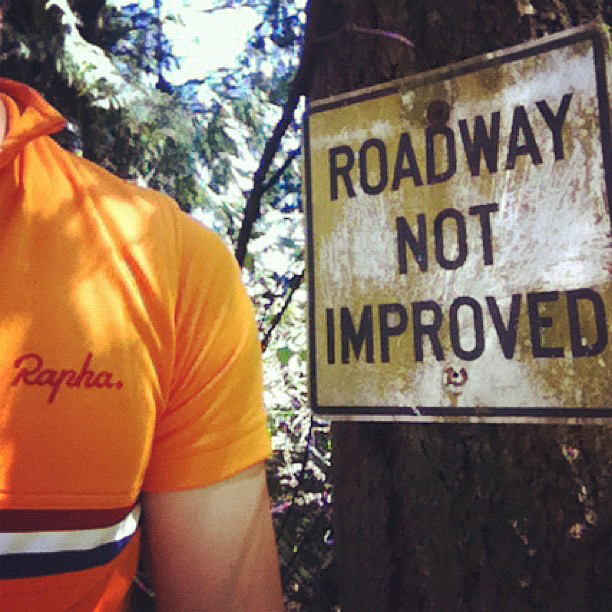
{"x": 459, "y": 241}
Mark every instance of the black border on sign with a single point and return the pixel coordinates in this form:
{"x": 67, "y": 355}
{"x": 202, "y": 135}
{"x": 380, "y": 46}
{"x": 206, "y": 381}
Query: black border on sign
{"x": 409, "y": 413}
{"x": 419, "y": 413}
{"x": 312, "y": 358}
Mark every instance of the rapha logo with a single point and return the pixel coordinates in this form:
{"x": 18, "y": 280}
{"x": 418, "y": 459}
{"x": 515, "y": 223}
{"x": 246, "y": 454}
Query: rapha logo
{"x": 32, "y": 372}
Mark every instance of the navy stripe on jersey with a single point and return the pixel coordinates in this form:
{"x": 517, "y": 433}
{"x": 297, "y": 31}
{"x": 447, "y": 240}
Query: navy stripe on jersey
{"x": 47, "y": 564}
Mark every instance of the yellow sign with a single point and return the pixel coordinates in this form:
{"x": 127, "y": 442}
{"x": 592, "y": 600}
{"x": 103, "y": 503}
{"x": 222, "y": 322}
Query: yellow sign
{"x": 459, "y": 241}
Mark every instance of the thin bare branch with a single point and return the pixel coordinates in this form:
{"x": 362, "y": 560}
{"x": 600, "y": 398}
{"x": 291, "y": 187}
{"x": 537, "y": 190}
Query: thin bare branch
{"x": 299, "y": 87}
{"x": 353, "y": 27}
{"x": 277, "y": 175}
{"x": 295, "y": 283}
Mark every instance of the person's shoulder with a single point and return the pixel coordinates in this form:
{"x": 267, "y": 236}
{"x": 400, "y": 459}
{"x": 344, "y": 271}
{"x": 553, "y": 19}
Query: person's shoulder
{"x": 103, "y": 182}
{"x": 117, "y": 198}
{"x": 131, "y": 203}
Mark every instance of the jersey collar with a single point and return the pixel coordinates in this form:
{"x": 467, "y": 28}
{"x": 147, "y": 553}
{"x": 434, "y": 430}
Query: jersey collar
{"x": 29, "y": 117}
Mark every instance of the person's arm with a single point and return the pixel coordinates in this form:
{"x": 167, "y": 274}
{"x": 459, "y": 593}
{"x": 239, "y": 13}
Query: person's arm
{"x": 213, "y": 548}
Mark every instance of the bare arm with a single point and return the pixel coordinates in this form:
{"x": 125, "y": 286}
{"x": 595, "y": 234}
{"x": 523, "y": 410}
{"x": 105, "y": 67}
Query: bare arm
{"x": 213, "y": 548}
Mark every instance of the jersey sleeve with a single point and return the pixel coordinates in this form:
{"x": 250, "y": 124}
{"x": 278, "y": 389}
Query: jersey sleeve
{"x": 214, "y": 424}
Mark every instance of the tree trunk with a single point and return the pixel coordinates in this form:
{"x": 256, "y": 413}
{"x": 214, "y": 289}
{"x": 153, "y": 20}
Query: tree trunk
{"x": 460, "y": 517}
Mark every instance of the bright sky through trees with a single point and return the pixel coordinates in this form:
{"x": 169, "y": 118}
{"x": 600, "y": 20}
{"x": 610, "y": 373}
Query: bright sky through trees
{"x": 207, "y": 41}
{"x": 202, "y": 40}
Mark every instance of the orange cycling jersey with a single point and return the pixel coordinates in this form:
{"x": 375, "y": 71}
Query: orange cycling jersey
{"x": 129, "y": 361}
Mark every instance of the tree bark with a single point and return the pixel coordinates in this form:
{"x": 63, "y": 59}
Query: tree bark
{"x": 460, "y": 517}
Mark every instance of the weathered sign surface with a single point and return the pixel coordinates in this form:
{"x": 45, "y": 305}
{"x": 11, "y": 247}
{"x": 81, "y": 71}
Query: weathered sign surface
{"x": 459, "y": 241}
